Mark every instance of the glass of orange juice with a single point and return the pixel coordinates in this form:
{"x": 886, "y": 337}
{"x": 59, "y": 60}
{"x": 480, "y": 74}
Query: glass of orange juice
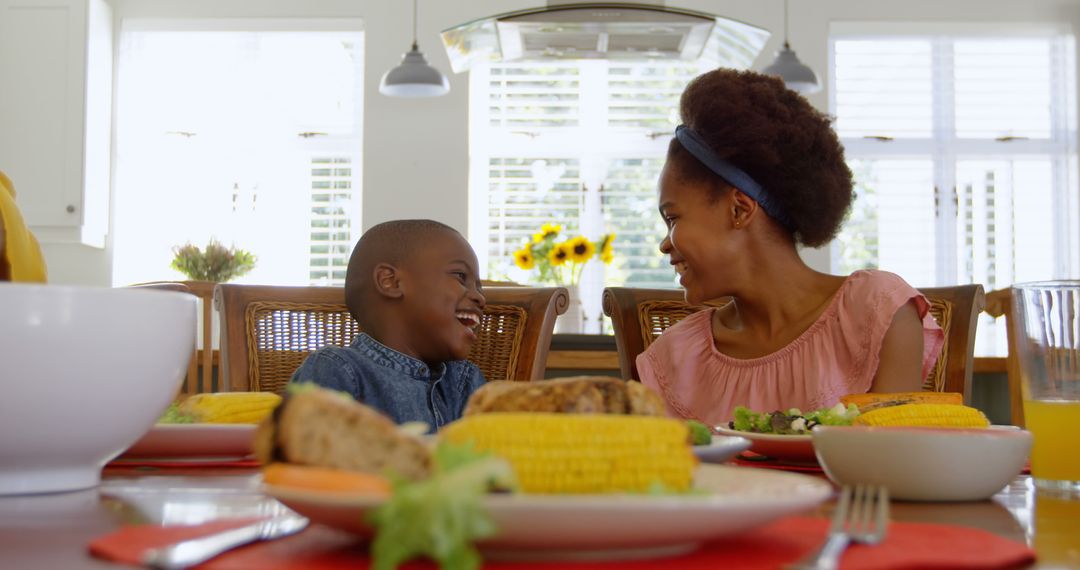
{"x": 1057, "y": 526}
{"x": 1046, "y": 327}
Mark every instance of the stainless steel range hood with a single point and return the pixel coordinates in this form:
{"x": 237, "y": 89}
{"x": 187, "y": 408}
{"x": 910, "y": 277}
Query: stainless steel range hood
{"x": 603, "y": 31}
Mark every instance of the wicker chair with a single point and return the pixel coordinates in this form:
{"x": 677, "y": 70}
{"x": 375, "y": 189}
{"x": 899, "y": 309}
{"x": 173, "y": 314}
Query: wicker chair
{"x": 956, "y": 310}
{"x": 640, "y": 315}
{"x": 267, "y": 331}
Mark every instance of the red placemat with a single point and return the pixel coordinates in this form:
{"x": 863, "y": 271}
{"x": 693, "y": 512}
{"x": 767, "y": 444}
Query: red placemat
{"x": 908, "y": 545}
{"x": 751, "y": 459}
{"x": 172, "y": 463}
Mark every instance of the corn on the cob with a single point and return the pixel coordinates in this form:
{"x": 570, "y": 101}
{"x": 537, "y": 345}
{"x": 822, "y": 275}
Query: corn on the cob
{"x": 926, "y": 415}
{"x": 873, "y": 400}
{"x": 583, "y": 453}
{"x": 231, "y": 407}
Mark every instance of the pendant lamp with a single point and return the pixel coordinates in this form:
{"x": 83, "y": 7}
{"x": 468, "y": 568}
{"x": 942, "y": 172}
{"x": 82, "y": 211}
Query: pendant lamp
{"x": 413, "y": 77}
{"x": 796, "y": 75}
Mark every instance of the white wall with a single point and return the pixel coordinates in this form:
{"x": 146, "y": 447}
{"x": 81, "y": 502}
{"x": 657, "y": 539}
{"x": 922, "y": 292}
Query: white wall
{"x": 415, "y": 151}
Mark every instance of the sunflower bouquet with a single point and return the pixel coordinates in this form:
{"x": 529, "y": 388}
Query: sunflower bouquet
{"x": 561, "y": 261}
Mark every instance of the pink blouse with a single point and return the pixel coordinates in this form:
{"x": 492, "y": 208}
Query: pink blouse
{"x": 836, "y": 355}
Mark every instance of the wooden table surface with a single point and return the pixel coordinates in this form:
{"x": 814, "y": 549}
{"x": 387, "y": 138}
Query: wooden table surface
{"x": 52, "y": 531}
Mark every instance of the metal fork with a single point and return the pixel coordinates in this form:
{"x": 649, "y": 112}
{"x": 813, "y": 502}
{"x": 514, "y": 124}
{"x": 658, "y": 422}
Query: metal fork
{"x": 197, "y": 550}
{"x": 861, "y": 516}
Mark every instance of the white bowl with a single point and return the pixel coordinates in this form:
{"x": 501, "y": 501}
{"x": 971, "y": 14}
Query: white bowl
{"x": 924, "y": 464}
{"x": 84, "y": 373}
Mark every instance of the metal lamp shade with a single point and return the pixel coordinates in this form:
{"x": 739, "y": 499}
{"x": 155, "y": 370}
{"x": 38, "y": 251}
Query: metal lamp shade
{"x": 796, "y": 75}
{"x": 413, "y": 77}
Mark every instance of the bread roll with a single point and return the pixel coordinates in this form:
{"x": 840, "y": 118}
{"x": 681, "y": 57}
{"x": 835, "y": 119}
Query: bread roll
{"x": 574, "y": 395}
{"x": 328, "y": 429}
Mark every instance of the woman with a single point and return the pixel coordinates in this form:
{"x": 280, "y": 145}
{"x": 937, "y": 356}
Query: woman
{"x": 753, "y": 172}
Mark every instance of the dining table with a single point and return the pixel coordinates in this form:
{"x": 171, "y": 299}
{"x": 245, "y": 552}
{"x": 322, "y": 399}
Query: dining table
{"x": 54, "y": 530}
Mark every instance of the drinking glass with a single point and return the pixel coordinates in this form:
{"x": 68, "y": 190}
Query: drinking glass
{"x": 1046, "y": 327}
{"x": 1057, "y": 524}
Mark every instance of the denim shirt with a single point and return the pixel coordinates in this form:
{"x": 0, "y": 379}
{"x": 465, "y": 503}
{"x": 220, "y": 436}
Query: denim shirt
{"x": 396, "y": 384}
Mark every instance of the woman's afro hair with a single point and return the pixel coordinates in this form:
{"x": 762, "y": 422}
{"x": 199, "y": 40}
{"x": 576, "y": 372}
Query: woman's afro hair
{"x": 779, "y": 139}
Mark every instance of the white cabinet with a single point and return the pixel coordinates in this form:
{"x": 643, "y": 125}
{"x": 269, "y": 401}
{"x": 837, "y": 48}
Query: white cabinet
{"x": 55, "y": 114}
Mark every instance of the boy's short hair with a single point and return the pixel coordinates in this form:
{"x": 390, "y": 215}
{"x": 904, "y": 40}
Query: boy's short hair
{"x": 389, "y": 242}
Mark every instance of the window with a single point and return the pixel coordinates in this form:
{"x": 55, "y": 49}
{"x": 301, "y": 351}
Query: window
{"x": 961, "y": 147}
{"x": 248, "y": 136}
{"x": 581, "y": 144}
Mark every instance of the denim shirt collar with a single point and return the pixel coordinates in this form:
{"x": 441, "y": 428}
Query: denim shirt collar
{"x": 390, "y": 358}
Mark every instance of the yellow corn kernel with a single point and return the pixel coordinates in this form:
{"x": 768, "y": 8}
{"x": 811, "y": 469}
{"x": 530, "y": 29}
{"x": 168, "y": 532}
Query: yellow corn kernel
{"x": 583, "y": 453}
{"x": 873, "y": 400}
{"x": 925, "y": 415}
{"x": 231, "y": 407}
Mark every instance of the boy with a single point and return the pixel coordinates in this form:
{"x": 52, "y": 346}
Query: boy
{"x": 414, "y": 288}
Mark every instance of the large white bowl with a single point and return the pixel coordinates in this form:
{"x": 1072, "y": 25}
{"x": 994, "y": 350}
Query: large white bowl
{"x": 924, "y": 464}
{"x": 84, "y": 372}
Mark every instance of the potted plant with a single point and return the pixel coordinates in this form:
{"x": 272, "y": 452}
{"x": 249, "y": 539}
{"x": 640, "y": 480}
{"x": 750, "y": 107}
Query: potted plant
{"x": 216, "y": 263}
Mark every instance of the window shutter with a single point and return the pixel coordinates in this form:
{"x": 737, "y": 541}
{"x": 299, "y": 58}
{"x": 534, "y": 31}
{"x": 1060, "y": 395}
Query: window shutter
{"x": 883, "y": 88}
{"x": 581, "y": 144}
{"x": 533, "y": 96}
{"x": 332, "y": 219}
{"x": 973, "y": 183}
{"x": 523, "y": 194}
{"x": 1003, "y": 88}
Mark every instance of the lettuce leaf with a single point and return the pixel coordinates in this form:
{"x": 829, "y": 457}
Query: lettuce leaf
{"x": 173, "y": 415}
{"x": 440, "y": 518}
{"x": 700, "y": 434}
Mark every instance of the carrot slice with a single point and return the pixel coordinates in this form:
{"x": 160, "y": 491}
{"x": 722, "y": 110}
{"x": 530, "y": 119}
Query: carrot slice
{"x": 325, "y": 479}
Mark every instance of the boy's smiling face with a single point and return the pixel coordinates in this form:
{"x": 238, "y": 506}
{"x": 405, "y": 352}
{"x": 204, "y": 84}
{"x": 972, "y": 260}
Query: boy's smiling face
{"x": 442, "y": 298}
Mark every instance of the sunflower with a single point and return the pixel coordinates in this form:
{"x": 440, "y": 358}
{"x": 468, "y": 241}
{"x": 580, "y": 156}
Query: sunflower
{"x": 524, "y": 259}
{"x": 607, "y": 252}
{"x": 559, "y": 254}
{"x": 581, "y": 249}
{"x": 546, "y": 231}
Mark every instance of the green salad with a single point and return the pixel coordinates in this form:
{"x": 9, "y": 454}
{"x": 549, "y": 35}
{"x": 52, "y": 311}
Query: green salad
{"x": 793, "y": 421}
{"x": 700, "y": 434}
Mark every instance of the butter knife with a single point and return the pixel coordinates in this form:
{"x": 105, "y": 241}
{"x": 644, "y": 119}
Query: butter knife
{"x": 191, "y": 552}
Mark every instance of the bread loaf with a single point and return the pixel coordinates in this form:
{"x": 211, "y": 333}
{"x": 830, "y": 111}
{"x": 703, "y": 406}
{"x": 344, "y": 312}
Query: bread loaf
{"x": 574, "y": 395}
{"x": 323, "y": 428}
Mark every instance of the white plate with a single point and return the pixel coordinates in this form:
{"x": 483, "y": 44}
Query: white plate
{"x": 194, "y": 440}
{"x": 532, "y": 527}
{"x": 796, "y": 448}
{"x": 721, "y": 449}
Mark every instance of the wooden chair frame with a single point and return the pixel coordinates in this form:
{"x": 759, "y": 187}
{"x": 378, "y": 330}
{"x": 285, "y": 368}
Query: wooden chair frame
{"x": 191, "y": 382}
{"x": 630, "y": 310}
{"x": 524, "y": 354}
{"x": 204, "y": 290}
{"x": 959, "y": 307}
{"x": 634, "y": 317}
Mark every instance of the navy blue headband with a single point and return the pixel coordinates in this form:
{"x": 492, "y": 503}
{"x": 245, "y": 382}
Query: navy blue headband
{"x": 730, "y": 173}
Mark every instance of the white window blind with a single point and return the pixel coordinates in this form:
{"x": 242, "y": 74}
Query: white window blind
{"x": 334, "y": 226}
{"x": 577, "y": 143}
{"x": 961, "y": 151}
{"x": 883, "y": 88}
{"x": 1005, "y": 88}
